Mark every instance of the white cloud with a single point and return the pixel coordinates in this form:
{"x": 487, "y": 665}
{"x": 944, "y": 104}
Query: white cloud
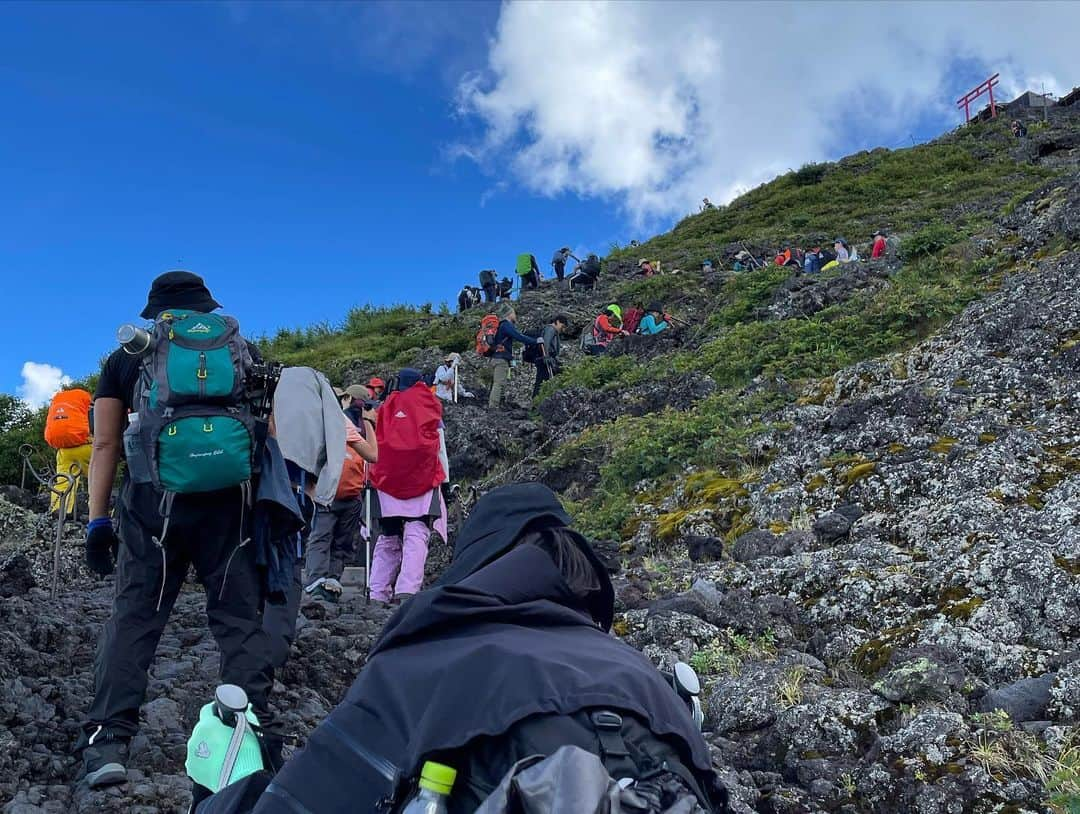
{"x": 40, "y": 383}
{"x": 657, "y": 104}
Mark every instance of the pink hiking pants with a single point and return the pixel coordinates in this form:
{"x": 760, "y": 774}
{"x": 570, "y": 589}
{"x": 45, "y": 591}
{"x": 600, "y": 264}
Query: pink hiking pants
{"x": 397, "y": 564}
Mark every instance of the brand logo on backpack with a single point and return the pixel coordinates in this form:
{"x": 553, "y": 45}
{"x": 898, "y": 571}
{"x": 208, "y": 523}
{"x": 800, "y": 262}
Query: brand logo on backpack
{"x": 202, "y": 750}
{"x": 194, "y": 427}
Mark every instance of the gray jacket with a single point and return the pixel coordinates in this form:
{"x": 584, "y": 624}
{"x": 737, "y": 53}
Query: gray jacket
{"x": 551, "y": 341}
{"x": 311, "y": 428}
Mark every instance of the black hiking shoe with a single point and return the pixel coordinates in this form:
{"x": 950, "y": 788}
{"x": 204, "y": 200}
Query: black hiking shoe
{"x": 105, "y": 762}
{"x": 401, "y": 599}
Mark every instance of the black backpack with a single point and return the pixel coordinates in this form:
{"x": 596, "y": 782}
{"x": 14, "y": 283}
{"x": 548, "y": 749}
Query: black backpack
{"x": 626, "y": 746}
{"x": 531, "y": 353}
{"x": 488, "y": 277}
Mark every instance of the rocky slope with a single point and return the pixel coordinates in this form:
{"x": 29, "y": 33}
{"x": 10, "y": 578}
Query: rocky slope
{"x": 880, "y": 586}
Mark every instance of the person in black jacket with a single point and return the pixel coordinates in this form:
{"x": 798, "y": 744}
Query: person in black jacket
{"x": 489, "y": 282}
{"x": 508, "y": 655}
{"x": 547, "y": 363}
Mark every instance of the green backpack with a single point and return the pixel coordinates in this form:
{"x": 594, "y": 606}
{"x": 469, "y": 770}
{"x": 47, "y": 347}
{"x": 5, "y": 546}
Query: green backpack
{"x": 193, "y": 427}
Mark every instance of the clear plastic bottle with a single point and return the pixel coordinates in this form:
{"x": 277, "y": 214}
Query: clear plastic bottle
{"x": 436, "y": 783}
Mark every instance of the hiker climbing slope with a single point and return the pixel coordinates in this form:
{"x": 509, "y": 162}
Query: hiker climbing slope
{"x": 336, "y": 523}
{"x": 558, "y": 262}
{"x": 172, "y": 515}
{"x": 502, "y": 352}
{"x": 489, "y": 282}
{"x": 67, "y": 430}
{"x": 528, "y": 271}
{"x": 508, "y": 656}
{"x": 545, "y": 356}
{"x": 407, "y": 478}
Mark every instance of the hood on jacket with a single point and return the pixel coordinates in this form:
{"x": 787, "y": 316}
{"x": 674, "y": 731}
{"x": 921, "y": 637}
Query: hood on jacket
{"x": 499, "y": 518}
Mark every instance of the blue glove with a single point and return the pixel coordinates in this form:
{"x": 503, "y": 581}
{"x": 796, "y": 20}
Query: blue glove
{"x": 101, "y": 546}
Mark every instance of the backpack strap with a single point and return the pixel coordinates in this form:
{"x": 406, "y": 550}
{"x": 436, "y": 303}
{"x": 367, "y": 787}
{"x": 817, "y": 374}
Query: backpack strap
{"x": 613, "y": 751}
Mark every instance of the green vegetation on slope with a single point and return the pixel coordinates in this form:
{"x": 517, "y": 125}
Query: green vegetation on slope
{"x": 965, "y": 179}
{"x": 714, "y": 433}
{"x": 385, "y": 336}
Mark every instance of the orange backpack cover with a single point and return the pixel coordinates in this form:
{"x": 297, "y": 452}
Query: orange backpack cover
{"x": 485, "y": 337}
{"x": 68, "y": 422}
{"x": 354, "y": 475}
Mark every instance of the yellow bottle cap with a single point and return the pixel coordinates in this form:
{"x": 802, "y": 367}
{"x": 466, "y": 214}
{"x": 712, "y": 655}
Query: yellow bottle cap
{"x": 437, "y": 777}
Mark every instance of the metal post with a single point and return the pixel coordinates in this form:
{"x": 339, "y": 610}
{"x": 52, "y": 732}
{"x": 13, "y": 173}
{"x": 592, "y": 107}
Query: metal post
{"x": 61, "y": 515}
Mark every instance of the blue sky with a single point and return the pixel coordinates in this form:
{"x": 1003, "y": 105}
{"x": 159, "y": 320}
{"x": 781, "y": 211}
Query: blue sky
{"x": 305, "y": 158}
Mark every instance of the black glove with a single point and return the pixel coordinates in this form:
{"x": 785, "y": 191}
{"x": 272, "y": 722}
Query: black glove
{"x": 101, "y": 546}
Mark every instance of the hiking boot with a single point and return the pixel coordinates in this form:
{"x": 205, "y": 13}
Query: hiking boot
{"x": 105, "y": 762}
{"x": 401, "y": 599}
{"x": 326, "y": 594}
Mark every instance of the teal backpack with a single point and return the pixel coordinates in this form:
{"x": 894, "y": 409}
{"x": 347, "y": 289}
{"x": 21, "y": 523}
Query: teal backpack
{"x": 193, "y": 425}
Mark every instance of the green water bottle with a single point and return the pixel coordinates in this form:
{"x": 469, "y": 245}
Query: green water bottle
{"x": 223, "y": 747}
{"x": 436, "y": 783}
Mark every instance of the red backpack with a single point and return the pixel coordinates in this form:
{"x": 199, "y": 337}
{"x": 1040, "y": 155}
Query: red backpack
{"x": 485, "y": 337}
{"x": 68, "y": 422}
{"x": 631, "y": 319}
{"x": 408, "y": 436}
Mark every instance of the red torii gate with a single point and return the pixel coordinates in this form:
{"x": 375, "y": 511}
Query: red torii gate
{"x": 973, "y": 94}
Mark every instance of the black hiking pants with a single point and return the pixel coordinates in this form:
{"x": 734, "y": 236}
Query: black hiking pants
{"x": 491, "y": 291}
{"x": 560, "y": 269}
{"x": 543, "y": 373}
{"x": 205, "y": 530}
{"x": 530, "y": 280}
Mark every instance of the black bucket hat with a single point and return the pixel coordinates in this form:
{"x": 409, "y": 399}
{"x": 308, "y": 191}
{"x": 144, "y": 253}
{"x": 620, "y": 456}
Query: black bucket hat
{"x": 178, "y": 289}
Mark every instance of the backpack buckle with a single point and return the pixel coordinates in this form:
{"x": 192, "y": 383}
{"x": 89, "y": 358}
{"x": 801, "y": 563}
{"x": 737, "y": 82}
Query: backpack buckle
{"x": 607, "y": 720}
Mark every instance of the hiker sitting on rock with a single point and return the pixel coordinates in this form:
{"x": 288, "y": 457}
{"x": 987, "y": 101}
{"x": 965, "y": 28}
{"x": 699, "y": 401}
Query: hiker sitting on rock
{"x": 881, "y": 244}
{"x": 655, "y": 320}
{"x": 646, "y": 267}
{"x": 607, "y": 327}
{"x": 586, "y": 274}
{"x": 507, "y": 657}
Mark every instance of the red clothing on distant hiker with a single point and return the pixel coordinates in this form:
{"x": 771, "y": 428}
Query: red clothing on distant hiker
{"x": 879, "y": 247}
{"x": 604, "y": 330}
{"x": 632, "y": 318}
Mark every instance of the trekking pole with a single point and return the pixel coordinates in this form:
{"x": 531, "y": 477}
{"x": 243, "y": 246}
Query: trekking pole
{"x": 455, "y": 367}
{"x": 367, "y": 545}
